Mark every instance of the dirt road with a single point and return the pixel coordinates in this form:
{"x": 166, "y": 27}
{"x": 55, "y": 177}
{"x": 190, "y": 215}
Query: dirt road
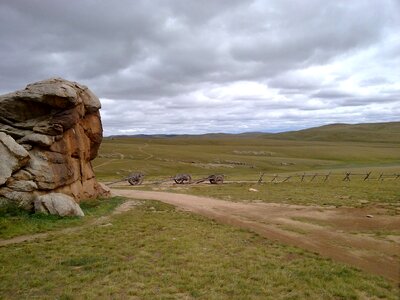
{"x": 331, "y": 232}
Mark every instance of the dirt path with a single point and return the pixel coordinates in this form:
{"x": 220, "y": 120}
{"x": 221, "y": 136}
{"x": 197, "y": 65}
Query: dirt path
{"x": 105, "y": 163}
{"x": 327, "y": 231}
{"x": 144, "y": 152}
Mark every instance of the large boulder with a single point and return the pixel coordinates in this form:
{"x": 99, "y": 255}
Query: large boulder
{"x": 58, "y": 204}
{"x": 49, "y": 134}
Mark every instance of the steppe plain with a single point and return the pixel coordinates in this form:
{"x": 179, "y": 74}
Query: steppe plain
{"x": 296, "y": 239}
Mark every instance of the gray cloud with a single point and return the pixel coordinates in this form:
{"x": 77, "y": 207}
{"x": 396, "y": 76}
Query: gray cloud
{"x": 331, "y": 93}
{"x": 191, "y": 67}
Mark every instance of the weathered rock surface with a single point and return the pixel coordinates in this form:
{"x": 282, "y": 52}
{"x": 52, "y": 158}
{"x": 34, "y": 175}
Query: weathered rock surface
{"x": 58, "y": 204}
{"x": 49, "y": 134}
{"x": 13, "y": 157}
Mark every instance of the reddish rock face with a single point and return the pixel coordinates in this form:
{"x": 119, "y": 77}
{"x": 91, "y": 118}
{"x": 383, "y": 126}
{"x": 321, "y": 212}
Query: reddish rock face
{"x": 49, "y": 134}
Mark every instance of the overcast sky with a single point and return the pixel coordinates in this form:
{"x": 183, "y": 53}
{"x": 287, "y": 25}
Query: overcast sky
{"x": 189, "y": 66}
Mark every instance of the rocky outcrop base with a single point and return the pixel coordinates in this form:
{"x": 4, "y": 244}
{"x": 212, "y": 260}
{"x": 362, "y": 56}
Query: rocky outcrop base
{"x": 49, "y": 134}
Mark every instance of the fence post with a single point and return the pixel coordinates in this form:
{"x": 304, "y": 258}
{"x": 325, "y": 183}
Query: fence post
{"x": 275, "y": 176}
{"x": 261, "y": 178}
{"x": 302, "y": 177}
{"x": 326, "y": 176}
{"x": 347, "y": 178}
{"x": 366, "y": 177}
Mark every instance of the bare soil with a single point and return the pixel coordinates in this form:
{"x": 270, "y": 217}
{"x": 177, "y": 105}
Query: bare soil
{"x": 337, "y": 233}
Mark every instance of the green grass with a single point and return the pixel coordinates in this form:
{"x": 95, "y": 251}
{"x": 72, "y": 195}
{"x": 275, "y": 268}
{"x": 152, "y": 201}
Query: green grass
{"x": 239, "y": 157}
{"x": 372, "y": 132}
{"x": 244, "y": 157}
{"x": 332, "y": 193}
{"x": 157, "y": 252}
{"x": 15, "y": 222}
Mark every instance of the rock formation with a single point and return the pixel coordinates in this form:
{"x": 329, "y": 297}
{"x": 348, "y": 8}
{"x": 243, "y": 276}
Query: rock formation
{"x": 49, "y": 134}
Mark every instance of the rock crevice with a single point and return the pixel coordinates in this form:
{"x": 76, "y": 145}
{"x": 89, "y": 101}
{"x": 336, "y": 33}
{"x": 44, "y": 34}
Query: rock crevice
{"x": 49, "y": 134}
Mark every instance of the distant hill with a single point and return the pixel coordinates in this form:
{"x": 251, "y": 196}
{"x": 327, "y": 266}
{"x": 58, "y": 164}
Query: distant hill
{"x": 169, "y": 136}
{"x": 366, "y": 132}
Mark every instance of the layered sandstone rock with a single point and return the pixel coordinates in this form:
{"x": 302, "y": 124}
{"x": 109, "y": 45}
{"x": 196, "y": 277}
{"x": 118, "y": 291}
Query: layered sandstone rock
{"x": 49, "y": 134}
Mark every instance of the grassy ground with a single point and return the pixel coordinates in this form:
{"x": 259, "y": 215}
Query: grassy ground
{"x": 15, "y": 222}
{"x": 376, "y": 132}
{"x": 240, "y": 158}
{"x": 335, "y": 192}
{"x": 156, "y": 252}
{"x": 244, "y": 158}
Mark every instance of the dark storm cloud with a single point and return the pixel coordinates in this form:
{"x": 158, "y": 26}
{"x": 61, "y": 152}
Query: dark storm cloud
{"x": 194, "y": 66}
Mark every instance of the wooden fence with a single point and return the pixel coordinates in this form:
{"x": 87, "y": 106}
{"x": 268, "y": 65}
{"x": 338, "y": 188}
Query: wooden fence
{"x": 304, "y": 177}
{"x": 347, "y": 176}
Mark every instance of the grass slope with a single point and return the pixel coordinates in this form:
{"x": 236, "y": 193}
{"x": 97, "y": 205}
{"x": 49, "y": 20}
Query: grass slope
{"x": 363, "y": 132}
{"x": 238, "y": 157}
{"x": 156, "y": 252}
{"x": 372, "y": 132}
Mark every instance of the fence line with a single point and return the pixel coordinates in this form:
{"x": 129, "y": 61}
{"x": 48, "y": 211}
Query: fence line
{"x": 280, "y": 178}
{"x": 347, "y": 176}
